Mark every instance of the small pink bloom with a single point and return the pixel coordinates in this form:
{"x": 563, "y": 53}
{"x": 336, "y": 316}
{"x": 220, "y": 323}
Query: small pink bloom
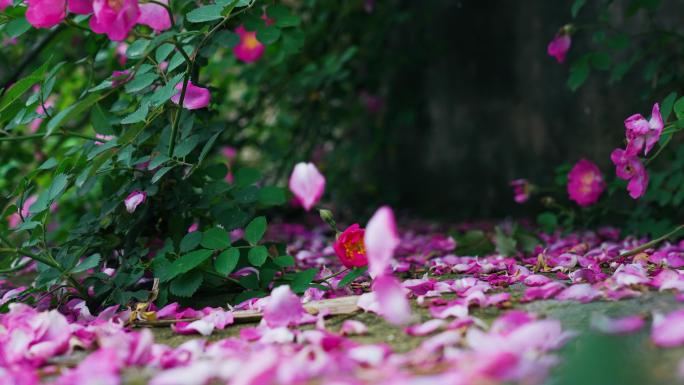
{"x": 349, "y": 247}
{"x": 559, "y": 46}
{"x": 121, "y": 57}
{"x": 155, "y": 16}
{"x": 120, "y": 77}
{"x": 307, "y": 184}
{"x": 585, "y": 183}
{"x": 283, "y": 308}
{"x": 521, "y": 190}
{"x": 624, "y": 325}
{"x": 81, "y": 7}
{"x": 195, "y": 97}
{"x": 668, "y": 331}
{"x": 249, "y": 49}
{"x": 629, "y": 167}
{"x": 104, "y": 138}
{"x": 115, "y": 18}
{"x": 381, "y": 239}
{"x": 392, "y": 302}
{"x": 134, "y": 199}
{"x": 45, "y": 13}
{"x": 643, "y": 134}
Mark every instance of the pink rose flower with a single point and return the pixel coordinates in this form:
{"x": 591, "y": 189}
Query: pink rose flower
{"x": 521, "y": 190}
{"x": 134, "y": 199}
{"x": 585, "y": 183}
{"x": 155, "y": 16}
{"x": 307, "y": 184}
{"x": 643, "y": 134}
{"x": 559, "y": 46}
{"x": 45, "y": 13}
{"x": 195, "y": 97}
{"x": 115, "y": 18}
{"x": 249, "y": 49}
{"x": 629, "y": 167}
{"x": 350, "y": 248}
{"x": 81, "y": 7}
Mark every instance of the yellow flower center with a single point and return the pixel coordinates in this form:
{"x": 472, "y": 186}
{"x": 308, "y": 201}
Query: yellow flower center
{"x": 115, "y": 4}
{"x": 251, "y": 41}
{"x": 352, "y": 249}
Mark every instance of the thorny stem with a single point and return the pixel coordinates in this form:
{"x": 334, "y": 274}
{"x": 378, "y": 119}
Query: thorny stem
{"x": 652, "y": 243}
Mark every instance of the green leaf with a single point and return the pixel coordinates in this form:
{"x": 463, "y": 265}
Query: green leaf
{"x": 188, "y": 262}
{"x": 255, "y": 230}
{"x": 232, "y": 219}
{"x": 284, "y": 261}
{"x": 100, "y": 121}
{"x": 283, "y": 16}
{"x": 140, "y": 82}
{"x": 600, "y": 61}
{"x": 137, "y": 49}
{"x": 679, "y": 108}
{"x": 579, "y": 72}
{"x": 576, "y": 7}
{"x": 257, "y": 255}
{"x": 160, "y": 173}
{"x": 45, "y": 198}
{"x": 163, "y": 94}
{"x": 474, "y": 243}
{"x": 17, "y": 27}
{"x": 70, "y": 113}
{"x": 87, "y": 263}
{"x": 351, "y": 276}
{"x": 548, "y": 221}
{"x": 163, "y": 52}
{"x": 138, "y": 116}
{"x": 23, "y": 85}
{"x": 268, "y": 34}
{"x": 216, "y": 239}
{"x": 187, "y": 284}
{"x": 302, "y": 280}
{"x": 246, "y": 176}
{"x": 190, "y": 241}
{"x": 186, "y": 146}
{"x": 227, "y": 261}
{"x": 226, "y": 39}
{"x": 667, "y": 104}
{"x": 48, "y": 164}
{"x": 272, "y": 196}
{"x": 205, "y": 13}
{"x": 505, "y": 245}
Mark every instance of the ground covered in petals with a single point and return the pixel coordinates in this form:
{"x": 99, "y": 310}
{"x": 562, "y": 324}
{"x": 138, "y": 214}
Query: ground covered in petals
{"x": 557, "y": 309}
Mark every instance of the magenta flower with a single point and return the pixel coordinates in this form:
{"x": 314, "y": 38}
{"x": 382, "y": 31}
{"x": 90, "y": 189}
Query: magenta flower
{"x": 381, "y": 239}
{"x": 45, "y": 13}
{"x": 643, "y": 134}
{"x": 283, "y": 308}
{"x": 629, "y": 167}
{"x": 559, "y": 46}
{"x": 115, "y": 18}
{"x": 249, "y": 49}
{"x": 155, "y": 16}
{"x": 307, "y": 184}
{"x": 521, "y": 190}
{"x": 195, "y": 97}
{"x": 4, "y": 4}
{"x": 134, "y": 199}
{"x": 585, "y": 183}
{"x": 81, "y": 7}
{"x": 120, "y": 77}
{"x": 349, "y": 247}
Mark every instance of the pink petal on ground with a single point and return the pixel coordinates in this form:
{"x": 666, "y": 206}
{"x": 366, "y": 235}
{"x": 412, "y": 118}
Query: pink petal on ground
{"x": 457, "y": 308}
{"x": 353, "y": 327}
{"x": 392, "y": 301}
{"x": 624, "y": 325}
{"x": 542, "y": 292}
{"x": 381, "y": 239}
{"x": 425, "y": 328}
{"x": 536, "y": 280}
{"x": 307, "y": 184}
{"x": 283, "y": 308}
{"x": 668, "y": 331}
{"x": 582, "y": 292}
